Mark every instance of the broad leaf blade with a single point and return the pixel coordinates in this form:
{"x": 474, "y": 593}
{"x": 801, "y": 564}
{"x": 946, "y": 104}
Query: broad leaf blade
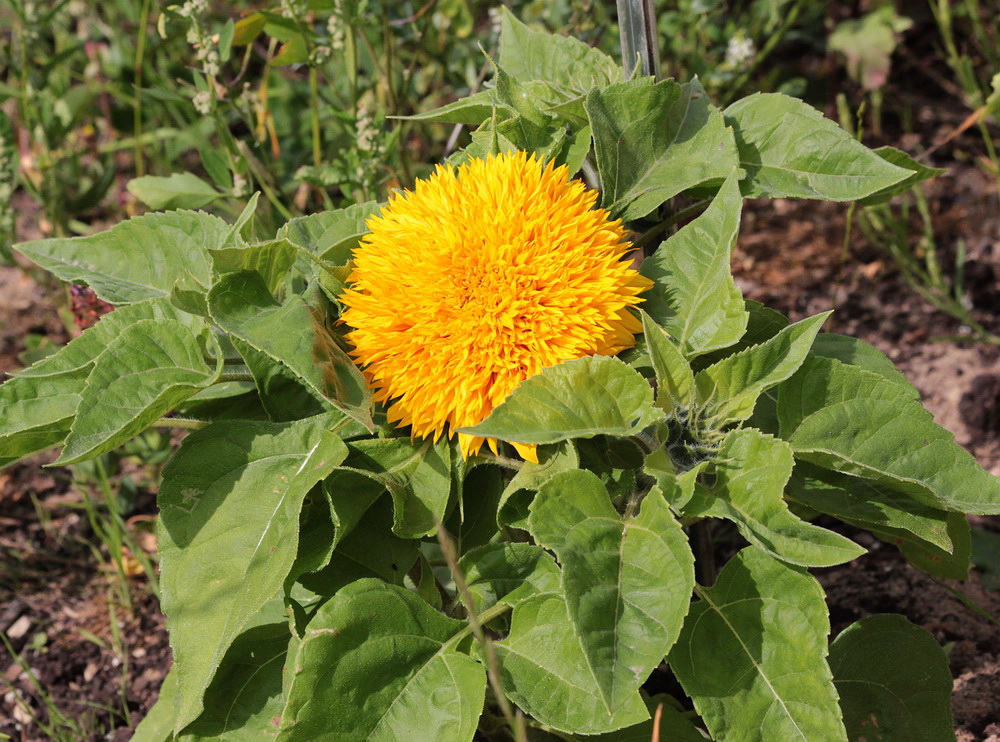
{"x": 175, "y": 191}
{"x": 82, "y": 351}
{"x": 752, "y": 470}
{"x": 790, "y": 150}
{"x": 331, "y": 235}
{"x": 508, "y": 573}
{"x": 139, "y": 259}
{"x": 894, "y": 681}
{"x": 730, "y": 388}
{"x": 847, "y": 419}
{"x": 417, "y": 474}
{"x": 675, "y": 382}
{"x": 545, "y": 672}
{"x": 228, "y": 533}
{"x": 272, "y": 260}
{"x": 695, "y": 299}
{"x": 596, "y": 395}
{"x": 627, "y": 581}
{"x": 754, "y": 648}
{"x": 242, "y": 305}
{"x": 374, "y": 664}
{"x": 37, "y": 413}
{"x": 654, "y": 140}
{"x": 149, "y": 369}
{"x": 245, "y": 696}
{"x": 918, "y": 173}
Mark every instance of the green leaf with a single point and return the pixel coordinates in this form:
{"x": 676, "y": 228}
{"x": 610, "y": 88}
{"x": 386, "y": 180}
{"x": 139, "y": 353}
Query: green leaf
{"x": 790, "y": 150}
{"x": 918, "y": 173}
{"x": 293, "y": 51}
{"x": 475, "y": 522}
{"x": 675, "y": 382}
{"x": 512, "y": 510}
{"x": 577, "y": 399}
{"x": 730, "y": 388}
{"x": 331, "y": 235}
{"x": 228, "y": 533}
{"x": 986, "y": 557}
{"x": 147, "y": 371}
{"x": 176, "y": 191}
{"x": 847, "y": 419}
{"x": 242, "y": 305}
{"x": 369, "y": 550}
{"x": 952, "y": 563}
{"x": 870, "y": 505}
{"x": 568, "y": 67}
{"x": 82, "y": 351}
{"x": 508, "y": 573}
{"x": 139, "y": 259}
{"x": 375, "y": 664}
{"x": 855, "y": 352}
{"x": 272, "y": 260}
{"x": 37, "y": 413}
{"x": 245, "y": 696}
{"x": 545, "y": 672}
{"x": 283, "y": 395}
{"x": 752, "y": 655}
{"x": 654, "y": 140}
{"x": 894, "y": 681}
{"x": 627, "y": 581}
{"x": 471, "y": 110}
{"x": 417, "y": 474}
{"x": 751, "y": 472}
{"x": 695, "y": 298}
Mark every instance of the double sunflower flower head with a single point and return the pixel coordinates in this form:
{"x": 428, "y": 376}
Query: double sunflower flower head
{"x": 479, "y": 278}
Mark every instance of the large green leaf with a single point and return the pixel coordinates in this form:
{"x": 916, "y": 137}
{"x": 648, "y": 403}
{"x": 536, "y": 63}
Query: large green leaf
{"x": 545, "y": 672}
{"x": 282, "y": 394}
{"x": 752, "y": 655}
{"x": 790, "y": 150}
{"x": 627, "y": 581}
{"x": 654, "y": 140}
{"x": 512, "y": 510}
{"x": 918, "y": 173}
{"x": 674, "y": 380}
{"x": 245, "y": 696}
{"x": 175, "y": 191}
{"x": 417, "y": 474}
{"x": 331, "y": 234}
{"x": 695, "y": 298}
{"x": 82, "y": 351}
{"x": 375, "y": 663}
{"x": 242, "y": 305}
{"x": 596, "y": 395}
{"x": 228, "y": 533}
{"x": 149, "y": 369}
{"x": 471, "y": 110}
{"x": 508, "y": 573}
{"x": 37, "y": 413}
{"x": 474, "y": 522}
{"x": 857, "y": 352}
{"x": 272, "y": 260}
{"x": 139, "y": 259}
{"x": 751, "y": 472}
{"x": 370, "y": 549}
{"x": 730, "y": 388}
{"x": 893, "y": 680}
{"x": 868, "y": 504}
{"x": 568, "y": 67}
{"x": 854, "y": 421}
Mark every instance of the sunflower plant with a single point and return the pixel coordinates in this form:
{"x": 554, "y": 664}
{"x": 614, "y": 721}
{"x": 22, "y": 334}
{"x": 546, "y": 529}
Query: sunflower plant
{"x": 510, "y": 456}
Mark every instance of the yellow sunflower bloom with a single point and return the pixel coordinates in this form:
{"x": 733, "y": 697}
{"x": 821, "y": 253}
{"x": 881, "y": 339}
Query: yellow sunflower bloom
{"x": 478, "y": 279}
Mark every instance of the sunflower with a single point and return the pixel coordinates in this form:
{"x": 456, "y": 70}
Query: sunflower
{"x": 478, "y": 279}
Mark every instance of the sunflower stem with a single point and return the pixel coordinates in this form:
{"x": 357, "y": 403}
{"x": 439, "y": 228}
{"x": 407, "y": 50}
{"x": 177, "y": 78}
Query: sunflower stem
{"x": 505, "y": 462}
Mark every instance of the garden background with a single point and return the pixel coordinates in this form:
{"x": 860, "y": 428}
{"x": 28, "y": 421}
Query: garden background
{"x": 113, "y": 108}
